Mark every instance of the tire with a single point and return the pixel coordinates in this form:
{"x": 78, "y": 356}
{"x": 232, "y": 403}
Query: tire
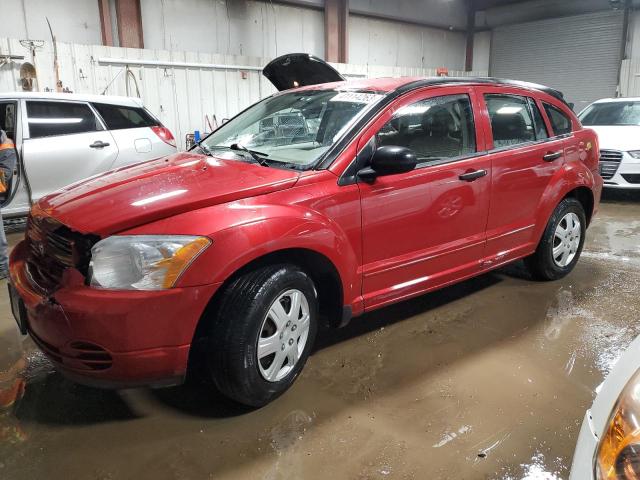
{"x": 245, "y": 316}
{"x": 542, "y": 264}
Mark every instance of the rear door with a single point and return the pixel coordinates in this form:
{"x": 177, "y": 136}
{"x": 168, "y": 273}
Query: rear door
{"x": 131, "y": 127}
{"x": 525, "y": 154}
{"x": 425, "y": 228}
{"x": 64, "y": 142}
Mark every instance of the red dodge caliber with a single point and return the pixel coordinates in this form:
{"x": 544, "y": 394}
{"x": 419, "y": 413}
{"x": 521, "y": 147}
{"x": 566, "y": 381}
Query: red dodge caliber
{"x": 326, "y": 200}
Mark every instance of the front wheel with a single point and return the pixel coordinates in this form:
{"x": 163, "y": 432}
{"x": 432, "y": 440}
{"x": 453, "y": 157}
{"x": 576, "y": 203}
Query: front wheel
{"x": 263, "y": 333}
{"x": 561, "y": 243}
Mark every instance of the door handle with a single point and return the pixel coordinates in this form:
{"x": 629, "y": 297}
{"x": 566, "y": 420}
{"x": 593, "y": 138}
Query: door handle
{"x": 551, "y": 156}
{"x": 99, "y": 144}
{"x": 473, "y": 175}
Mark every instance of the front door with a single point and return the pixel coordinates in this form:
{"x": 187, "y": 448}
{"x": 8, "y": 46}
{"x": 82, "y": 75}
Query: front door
{"x": 66, "y": 143}
{"x": 524, "y": 158}
{"x": 425, "y": 228}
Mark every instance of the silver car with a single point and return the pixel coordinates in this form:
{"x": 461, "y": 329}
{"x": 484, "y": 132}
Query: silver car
{"x": 64, "y": 138}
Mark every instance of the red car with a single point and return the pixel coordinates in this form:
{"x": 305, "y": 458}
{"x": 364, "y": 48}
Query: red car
{"x": 325, "y": 200}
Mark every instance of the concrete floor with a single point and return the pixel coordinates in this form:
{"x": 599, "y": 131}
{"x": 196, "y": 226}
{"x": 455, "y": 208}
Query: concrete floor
{"x": 486, "y": 379}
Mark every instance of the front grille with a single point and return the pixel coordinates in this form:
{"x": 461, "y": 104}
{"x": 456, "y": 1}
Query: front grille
{"x": 53, "y": 248}
{"x": 609, "y": 163}
{"x": 631, "y": 177}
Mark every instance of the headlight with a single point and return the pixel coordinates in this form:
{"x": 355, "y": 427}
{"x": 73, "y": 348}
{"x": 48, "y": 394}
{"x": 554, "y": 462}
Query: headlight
{"x": 634, "y": 153}
{"x": 143, "y": 262}
{"x": 619, "y": 450}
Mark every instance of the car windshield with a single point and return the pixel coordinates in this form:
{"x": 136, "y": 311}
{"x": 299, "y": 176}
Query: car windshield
{"x": 611, "y": 113}
{"x": 293, "y": 129}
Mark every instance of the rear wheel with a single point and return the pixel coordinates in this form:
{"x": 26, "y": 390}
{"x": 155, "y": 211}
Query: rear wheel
{"x": 263, "y": 333}
{"x": 561, "y": 243}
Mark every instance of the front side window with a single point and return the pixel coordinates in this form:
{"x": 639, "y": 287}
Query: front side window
{"x": 435, "y": 128}
{"x": 292, "y": 129}
{"x": 560, "y": 122}
{"x": 117, "y": 117}
{"x": 511, "y": 121}
{"x": 47, "y": 119}
{"x": 611, "y": 113}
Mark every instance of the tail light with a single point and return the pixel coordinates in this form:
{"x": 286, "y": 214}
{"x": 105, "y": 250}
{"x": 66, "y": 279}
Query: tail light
{"x": 165, "y": 135}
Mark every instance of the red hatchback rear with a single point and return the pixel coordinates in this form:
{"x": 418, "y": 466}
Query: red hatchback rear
{"x": 327, "y": 200}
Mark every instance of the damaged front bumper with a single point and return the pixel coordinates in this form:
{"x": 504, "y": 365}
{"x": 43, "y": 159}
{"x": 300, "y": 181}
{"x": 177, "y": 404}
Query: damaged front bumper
{"x": 110, "y": 338}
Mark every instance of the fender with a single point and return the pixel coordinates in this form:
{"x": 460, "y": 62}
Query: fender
{"x": 570, "y": 176}
{"x": 252, "y": 231}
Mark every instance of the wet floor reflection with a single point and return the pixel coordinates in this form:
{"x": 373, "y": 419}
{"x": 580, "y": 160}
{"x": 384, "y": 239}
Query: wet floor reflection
{"x": 486, "y": 379}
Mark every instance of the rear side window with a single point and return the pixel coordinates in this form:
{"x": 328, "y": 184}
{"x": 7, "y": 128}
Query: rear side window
{"x": 511, "y": 122}
{"x": 538, "y": 122}
{"x": 48, "y": 119}
{"x": 118, "y": 117}
{"x": 435, "y": 128}
{"x": 560, "y": 122}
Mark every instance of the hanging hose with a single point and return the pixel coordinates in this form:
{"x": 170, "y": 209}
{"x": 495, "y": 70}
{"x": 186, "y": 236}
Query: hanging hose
{"x": 129, "y": 75}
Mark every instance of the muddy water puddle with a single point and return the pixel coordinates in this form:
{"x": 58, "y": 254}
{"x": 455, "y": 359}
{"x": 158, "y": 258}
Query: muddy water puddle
{"x": 488, "y": 379}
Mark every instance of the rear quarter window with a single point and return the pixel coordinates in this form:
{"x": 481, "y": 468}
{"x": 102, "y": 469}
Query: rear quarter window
{"x": 560, "y": 121}
{"x": 117, "y": 117}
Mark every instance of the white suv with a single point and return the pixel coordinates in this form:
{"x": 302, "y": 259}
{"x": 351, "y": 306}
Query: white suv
{"x": 617, "y": 123}
{"x": 63, "y": 138}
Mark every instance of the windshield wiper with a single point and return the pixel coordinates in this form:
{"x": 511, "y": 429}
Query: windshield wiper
{"x": 254, "y": 153}
{"x": 204, "y": 148}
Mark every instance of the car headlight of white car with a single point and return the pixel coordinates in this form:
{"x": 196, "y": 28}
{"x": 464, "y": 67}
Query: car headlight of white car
{"x": 143, "y": 262}
{"x": 634, "y": 153}
{"x": 618, "y": 454}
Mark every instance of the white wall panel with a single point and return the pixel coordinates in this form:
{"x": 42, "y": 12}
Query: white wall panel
{"x": 481, "y": 51}
{"x": 383, "y": 42}
{"x": 441, "y": 12}
{"x": 253, "y": 28}
{"x": 71, "y": 20}
{"x": 181, "y": 97}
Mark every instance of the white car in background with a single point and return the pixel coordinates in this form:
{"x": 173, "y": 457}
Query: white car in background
{"x": 609, "y": 441}
{"x": 63, "y": 138}
{"x": 617, "y": 123}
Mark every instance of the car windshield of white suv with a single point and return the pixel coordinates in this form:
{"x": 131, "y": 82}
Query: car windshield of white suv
{"x": 292, "y": 130}
{"x": 611, "y": 113}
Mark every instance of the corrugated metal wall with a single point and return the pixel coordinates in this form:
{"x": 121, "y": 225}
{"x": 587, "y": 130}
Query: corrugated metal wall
{"x": 579, "y": 55}
{"x": 180, "y": 96}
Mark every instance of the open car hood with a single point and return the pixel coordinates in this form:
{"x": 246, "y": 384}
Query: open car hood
{"x": 150, "y": 191}
{"x": 298, "y": 70}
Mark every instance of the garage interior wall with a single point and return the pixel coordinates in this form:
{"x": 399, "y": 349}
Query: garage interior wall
{"x": 259, "y": 29}
{"x": 384, "y": 42}
{"x": 27, "y": 20}
{"x": 184, "y": 97}
{"x": 579, "y": 55}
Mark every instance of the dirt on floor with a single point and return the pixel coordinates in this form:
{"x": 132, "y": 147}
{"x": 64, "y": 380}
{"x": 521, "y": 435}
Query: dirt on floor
{"x": 486, "y": 379}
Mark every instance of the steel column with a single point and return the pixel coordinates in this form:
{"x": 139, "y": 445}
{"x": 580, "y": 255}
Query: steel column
{"x": 129, "y": 17}
{"x": 336, "y": 18}
{"x": 471, "y": 27}
{"x": 105, "y": 23}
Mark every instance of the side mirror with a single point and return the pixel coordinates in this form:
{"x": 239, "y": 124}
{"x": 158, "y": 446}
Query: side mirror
{"x": 389, "y": 160}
